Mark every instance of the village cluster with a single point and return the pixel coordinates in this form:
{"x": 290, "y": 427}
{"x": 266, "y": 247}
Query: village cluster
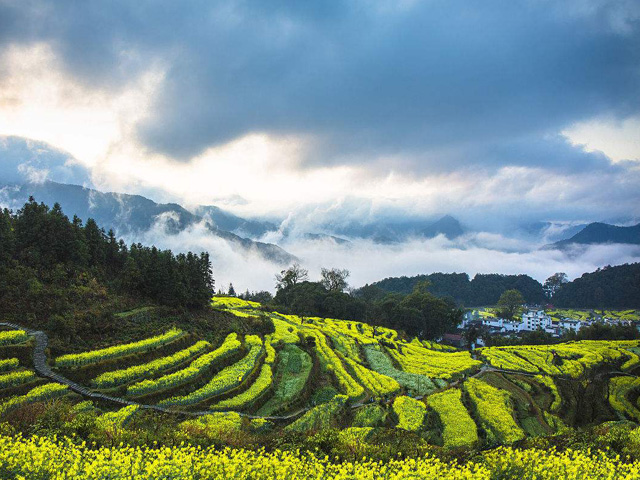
{"x": 532, "y": 319}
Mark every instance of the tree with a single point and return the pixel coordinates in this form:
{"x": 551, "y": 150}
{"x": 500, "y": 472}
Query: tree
{"x": 334, "y": 280}
{"x": 509, "y": 302}
{"x": 232, "y": 291}
{"x": 423, "y": 314}
{"x": 554, "y": 282}
{"x": 291, "y": 276}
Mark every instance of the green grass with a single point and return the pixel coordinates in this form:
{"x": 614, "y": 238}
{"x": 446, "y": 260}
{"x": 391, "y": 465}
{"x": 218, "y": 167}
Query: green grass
{"x": 292, "y": 370}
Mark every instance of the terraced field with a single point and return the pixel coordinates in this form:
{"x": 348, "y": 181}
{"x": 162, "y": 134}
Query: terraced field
{"x": 313, "y": 373}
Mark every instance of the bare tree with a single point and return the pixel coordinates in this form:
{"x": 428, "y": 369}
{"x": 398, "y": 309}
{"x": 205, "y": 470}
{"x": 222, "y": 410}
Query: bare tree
{"x": 334, "y": 279}
{"x": 291, "y": 276}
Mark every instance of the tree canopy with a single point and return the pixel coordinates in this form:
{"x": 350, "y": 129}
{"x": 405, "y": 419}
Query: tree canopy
{"x": 48, "y": 263}
{"x": 509, "y": 303}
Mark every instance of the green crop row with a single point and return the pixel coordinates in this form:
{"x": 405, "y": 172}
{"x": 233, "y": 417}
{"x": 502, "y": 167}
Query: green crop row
{"x": 249, "y": 396}
{"x": 410, "y": 412}
{"x": 12, "y": 337}
{"x": 293, "y": 367}
{"x": 381, "y": 363}
{"x": 459, "y": 429}
{"x": 95, "y": 356}
{"x": 43, "y": 392}
{"x": 196, "y": 368}
{"x": 319, "y": 417}
{"x": 228, "y": 379}
{"x": 126, "y": 375}
{"x": 18, "y": 377}
{"x": 494, "y": 410}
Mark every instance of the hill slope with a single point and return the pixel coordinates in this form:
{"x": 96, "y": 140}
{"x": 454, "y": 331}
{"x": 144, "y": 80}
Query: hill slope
{"x": 610, "y": 287}
{"x": 313, "y": 374}
{"x": 483, "y": 289}
{"x": 597, "y": 232}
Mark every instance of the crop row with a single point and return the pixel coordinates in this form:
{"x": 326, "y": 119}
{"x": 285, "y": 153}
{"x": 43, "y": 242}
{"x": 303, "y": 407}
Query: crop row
{"x": 196, "y": 368}
{"x": 284, "y": 331}
{"x": 415, "y": 358}
{"x": 507, "y": 360}
{"x": 293, "y": 367}
{"x": 112, "y": 421}
{"x": 378, "y": 384}
{"x": 249, "y": 396}
{"x": 95, "y": 356}
{"x": 43, "y": 392}
{"x": 270, "y": 351}
{"x": 227, "y": 379}
{"x": 232, "y": 302}
{"x": 570, "y": 359}
{"x": 459, "y": 429}
{"x": 333, "y": 364}
{"x": 410, "y": 412}
{"x": 8, "y": 364}
{"x": 12, "y": 337}
{"x": 381, "y": 363}
{"x": 494, "y": 410}
{"x": 551, "y": 385}
{"x": 319, "y": 417}
{"x": 633, "y": 361}
{"x": 127, "y": 375}
{"x": 619, "y": 390}
{"x": 15, "y": 378}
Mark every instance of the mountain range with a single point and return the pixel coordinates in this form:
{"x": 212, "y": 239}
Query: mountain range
{"x": 601, "y": 233}
{"x": 129, "y": 215}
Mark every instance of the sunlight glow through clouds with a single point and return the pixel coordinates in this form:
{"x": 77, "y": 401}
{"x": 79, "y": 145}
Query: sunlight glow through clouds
{"x": 39, "y": 101}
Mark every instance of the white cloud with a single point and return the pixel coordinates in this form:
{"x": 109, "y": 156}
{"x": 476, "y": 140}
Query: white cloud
{"x": 369, "y": 261}
{"x": 38, "y": 100}
{"x": 618, "y": 139}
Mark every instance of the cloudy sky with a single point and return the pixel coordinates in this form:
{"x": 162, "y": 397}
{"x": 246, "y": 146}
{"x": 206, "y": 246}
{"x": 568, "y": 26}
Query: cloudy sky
{"x": 519, "y": 110}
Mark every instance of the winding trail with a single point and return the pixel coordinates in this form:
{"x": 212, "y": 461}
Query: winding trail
{"x": 42, "y": 368}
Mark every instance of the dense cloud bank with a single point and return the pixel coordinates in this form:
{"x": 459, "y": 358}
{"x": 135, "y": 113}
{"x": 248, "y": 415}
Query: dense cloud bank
{"x": 369, "y": 261}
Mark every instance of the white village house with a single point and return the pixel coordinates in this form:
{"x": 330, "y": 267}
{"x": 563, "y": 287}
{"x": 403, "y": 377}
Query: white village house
{"x": 531, "y": 321}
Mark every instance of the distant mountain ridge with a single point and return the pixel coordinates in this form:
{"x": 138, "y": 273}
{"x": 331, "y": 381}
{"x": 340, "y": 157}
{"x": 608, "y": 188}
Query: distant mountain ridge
{"x": 232, "y": 223}
{"x": 598, "y": 233}
{"x": 131, "y": 214}
{"x": 389, "y": 231}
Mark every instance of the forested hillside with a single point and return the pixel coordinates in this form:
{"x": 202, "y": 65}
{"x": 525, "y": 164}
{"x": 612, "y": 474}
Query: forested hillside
{"x": 608, "y": 287}
{"x": 483, "y": 289}
{"x": 51, "y": 268}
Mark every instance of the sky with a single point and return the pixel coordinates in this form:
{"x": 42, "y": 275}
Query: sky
{"x": 497, "y": 112}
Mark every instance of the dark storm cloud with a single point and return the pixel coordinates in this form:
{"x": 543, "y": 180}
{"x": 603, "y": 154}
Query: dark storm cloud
{"x": 488, "y": 79}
